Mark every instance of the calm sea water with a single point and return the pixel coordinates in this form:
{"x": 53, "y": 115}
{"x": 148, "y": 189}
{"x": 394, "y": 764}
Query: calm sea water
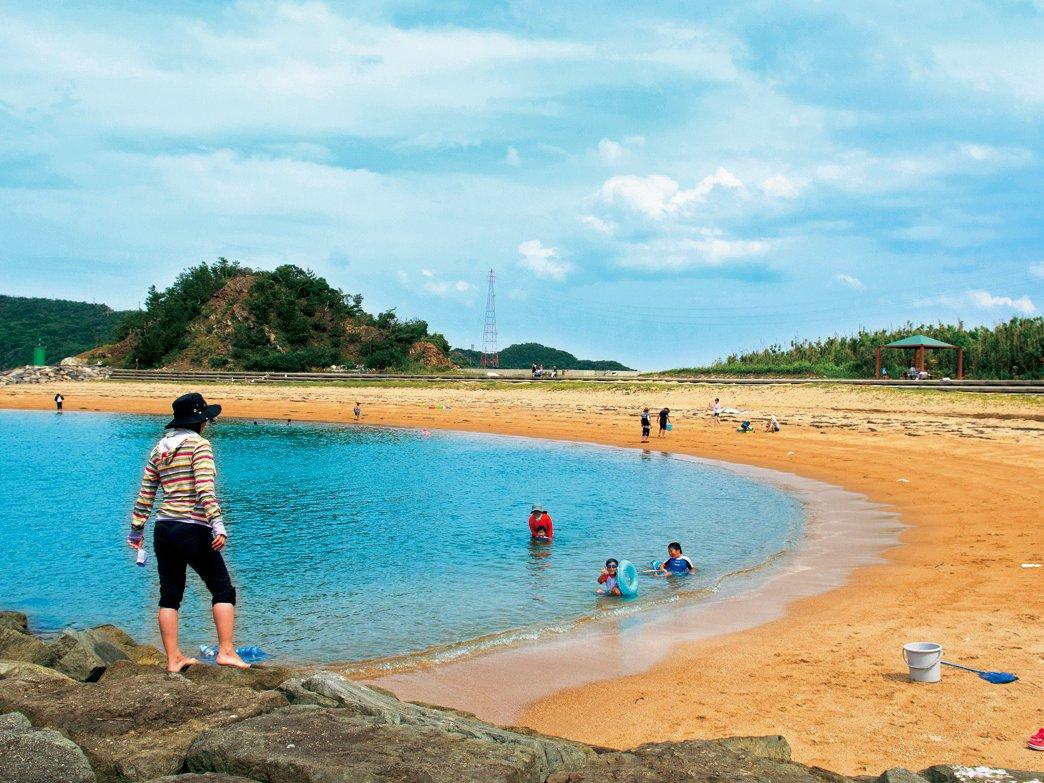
{"x": 355, "y": 542}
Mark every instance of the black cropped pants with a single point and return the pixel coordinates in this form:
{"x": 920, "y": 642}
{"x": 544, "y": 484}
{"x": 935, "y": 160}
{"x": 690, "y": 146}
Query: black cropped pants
{"x": 183, "y": 545}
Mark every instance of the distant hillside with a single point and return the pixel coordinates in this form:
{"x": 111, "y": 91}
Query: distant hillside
{"x": 64, "y": 328}
{"x": 525, "y": 355}
{"x": 225, "y": 315}
{"x": 1010, "y": 350}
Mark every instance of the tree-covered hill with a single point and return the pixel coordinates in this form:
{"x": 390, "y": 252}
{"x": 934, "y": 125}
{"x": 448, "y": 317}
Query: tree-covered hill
{"x": 64, "y": 328}
{"x": 225, "y": 315}
{"x": 524, "y": 355}
{"x": 1011, "y": 350}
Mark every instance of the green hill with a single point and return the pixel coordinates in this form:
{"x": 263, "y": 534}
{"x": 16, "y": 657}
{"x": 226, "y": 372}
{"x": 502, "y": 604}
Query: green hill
{"x": 64, "y": 328}
{"x": 225, "y": 315}
{"x": 1011, "y": 350}
{"x": 525, "y": 355}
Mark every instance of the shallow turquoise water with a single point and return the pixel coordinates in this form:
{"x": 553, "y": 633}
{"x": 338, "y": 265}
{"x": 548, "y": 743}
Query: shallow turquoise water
{"x": 351, "y": 543}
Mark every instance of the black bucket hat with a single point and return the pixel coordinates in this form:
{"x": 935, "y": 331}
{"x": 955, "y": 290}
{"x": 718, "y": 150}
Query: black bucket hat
{"x": 192, "y": 409}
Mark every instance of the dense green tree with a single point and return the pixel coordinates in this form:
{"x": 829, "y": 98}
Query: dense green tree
{"x": 63, "y": 328}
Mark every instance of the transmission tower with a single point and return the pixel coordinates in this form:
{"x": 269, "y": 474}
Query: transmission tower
{"x": 490, "y": 357}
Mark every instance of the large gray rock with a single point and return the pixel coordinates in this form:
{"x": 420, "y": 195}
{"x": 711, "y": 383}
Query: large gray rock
{"x": 307, "y": 744}
{"x": 144, "y": 654}
{"x": 773, "y": 747}
{"x": 16, "y": 621}
{"x": 955, "y": 773}
{"x": 30, "y": 672}
{"x": 205, "y": 777}
{"x": 83, "y": 655}
{"x": 136, "y": 728}
{"x": 694, "y": 761}
{"x": 900, "y": 775}
{"x": 330, "y": 690}
{"x": 19, "y": 646}
{"x": 29, "y": 755}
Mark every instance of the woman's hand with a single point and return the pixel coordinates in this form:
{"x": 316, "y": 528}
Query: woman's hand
{"x": 219, "y": 543}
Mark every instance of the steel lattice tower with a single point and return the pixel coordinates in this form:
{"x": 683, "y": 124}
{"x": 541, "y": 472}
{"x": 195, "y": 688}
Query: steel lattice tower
{"x": 490, "y": 356}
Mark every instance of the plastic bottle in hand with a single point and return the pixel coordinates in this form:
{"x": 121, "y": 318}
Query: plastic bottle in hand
{"x": 142, "y": 557}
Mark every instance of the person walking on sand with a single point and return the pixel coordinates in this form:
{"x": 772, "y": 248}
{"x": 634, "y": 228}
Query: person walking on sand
{"x": 716, "y": 410}
{"x": 189, "y": 530}
{"x": 665, "y": 419}
{"x": 58, "y": 400}
{"x": 646, "y": 425}
{"x": 357, "y": 410}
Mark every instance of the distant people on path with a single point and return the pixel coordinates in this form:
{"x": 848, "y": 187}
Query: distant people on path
{"x": 912, "y": 373}
{"x": 773, "y": 424}
{"x": 534, "y": 370}
{"x": 190, "y": 530}
{"x": 716, "y": 410}
{"x": 541, "y": 524}
{"x": 607, "y": 579}
{"x": 884, "y": 373}
{"x": 58, "y": 400}
{"x": 665, "y": 419}
{"x": 357, "y": 410}
{"x": 646, "y": 425}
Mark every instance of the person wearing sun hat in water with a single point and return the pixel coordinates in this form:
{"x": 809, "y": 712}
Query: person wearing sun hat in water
{"x": 189, "y": 530}
{"x": 540, "y": 524}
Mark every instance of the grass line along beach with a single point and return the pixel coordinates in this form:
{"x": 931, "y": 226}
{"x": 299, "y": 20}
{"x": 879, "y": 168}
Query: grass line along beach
{"x": 962, "y": 472}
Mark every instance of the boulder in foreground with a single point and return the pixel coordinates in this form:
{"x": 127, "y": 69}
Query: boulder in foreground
{"x": 29, "y": 755}
{"x": 136, "y": 728}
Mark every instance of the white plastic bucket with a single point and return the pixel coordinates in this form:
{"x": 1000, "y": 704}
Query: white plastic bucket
{"x": 923, "y": 659}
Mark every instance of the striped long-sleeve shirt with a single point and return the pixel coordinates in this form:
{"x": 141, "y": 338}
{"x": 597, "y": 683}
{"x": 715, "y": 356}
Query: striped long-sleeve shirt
{"x": 182, "y": 463}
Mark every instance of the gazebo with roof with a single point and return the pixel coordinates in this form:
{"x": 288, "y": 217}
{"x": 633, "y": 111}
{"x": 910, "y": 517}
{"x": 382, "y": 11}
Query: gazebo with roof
{"x": 919, "y": 343}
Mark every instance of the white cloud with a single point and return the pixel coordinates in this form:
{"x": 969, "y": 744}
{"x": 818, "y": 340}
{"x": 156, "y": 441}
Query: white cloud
{"x": 852, "y": 282}
{"x": 427, "y": 273}
{"x": 402, "y": 277}
{"x": 445, "y": 288}
{"x": 982, "y": 300}
{"x": 610, "y": 151}
{"x": 604, "y": 227}
{"x": 542, "y": 261}
{"x": 778, "y": 186}
{"x": 986, "y": 300}
{"x": 674, "y": 254}
{"x": 657, "y": 196}
{"x": 1037, "y": 270}
{"x": 511, "y": 158}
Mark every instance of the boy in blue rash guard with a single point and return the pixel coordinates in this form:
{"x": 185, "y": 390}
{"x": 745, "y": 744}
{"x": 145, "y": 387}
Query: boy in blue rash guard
{"x": 676, "y": 562}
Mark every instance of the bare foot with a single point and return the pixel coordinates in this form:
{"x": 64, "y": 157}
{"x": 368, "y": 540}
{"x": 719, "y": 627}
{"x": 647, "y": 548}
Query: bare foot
{"x": 180, "y": 664}
{"x": 231, "y": 659}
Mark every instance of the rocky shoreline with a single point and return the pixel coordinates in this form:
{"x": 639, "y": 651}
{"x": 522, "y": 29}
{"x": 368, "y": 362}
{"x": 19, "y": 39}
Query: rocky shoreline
{"x": 53, "y": 374}
{"x": 95, "y": 706}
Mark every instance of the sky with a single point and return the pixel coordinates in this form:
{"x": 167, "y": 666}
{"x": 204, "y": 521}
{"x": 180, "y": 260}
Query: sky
{"x": 657, "y": 183}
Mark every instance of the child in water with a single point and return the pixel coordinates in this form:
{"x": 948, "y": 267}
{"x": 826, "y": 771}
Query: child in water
{"x": 608, "y": 578}
{"x": 540, "y": 524}
{"x": 676, "y": 562}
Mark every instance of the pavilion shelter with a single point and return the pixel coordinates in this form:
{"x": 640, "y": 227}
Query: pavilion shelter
{"x": 919, "y": 343}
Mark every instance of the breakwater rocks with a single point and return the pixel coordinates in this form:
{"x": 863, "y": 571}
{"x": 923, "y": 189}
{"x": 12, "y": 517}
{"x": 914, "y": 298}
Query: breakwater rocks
{"x": 95, "y": 706}
{"x": 30, "y": 374}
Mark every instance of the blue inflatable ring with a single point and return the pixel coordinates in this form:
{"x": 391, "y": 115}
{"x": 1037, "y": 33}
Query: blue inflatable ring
{"x": 627, "y": 579}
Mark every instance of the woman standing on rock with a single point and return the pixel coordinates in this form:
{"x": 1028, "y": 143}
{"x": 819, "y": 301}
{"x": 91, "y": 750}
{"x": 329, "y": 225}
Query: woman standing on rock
{"x": 189, "y": 528}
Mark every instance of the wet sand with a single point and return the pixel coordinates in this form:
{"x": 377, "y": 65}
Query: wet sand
{"x": 827, "y": 673}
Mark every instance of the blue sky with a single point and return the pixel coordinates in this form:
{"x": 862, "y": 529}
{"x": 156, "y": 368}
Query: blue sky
{"x": 659, "y": 183}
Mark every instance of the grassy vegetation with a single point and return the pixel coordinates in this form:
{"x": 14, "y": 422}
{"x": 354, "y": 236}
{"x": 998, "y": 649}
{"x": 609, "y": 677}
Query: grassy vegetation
{"x": 1012, "y": 350}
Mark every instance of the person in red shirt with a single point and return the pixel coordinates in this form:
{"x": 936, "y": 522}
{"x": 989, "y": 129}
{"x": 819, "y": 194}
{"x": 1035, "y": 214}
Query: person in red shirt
{"x": 540, "y": 524}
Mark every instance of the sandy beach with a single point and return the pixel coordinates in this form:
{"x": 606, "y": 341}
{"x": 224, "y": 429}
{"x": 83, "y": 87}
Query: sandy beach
{"x": 827, "y": 674}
